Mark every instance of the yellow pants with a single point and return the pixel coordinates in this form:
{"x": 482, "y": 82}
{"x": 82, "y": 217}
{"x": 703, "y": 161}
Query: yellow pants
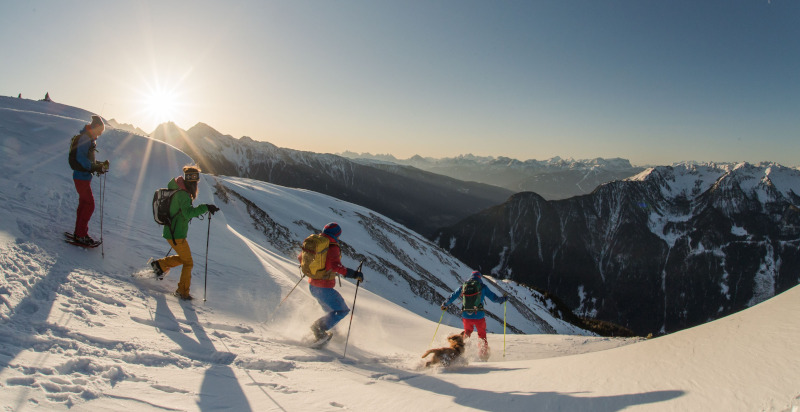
{"x": 183, "y": 257}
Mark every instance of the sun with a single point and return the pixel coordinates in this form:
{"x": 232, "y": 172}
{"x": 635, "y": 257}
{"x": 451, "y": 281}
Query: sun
{"x": 158, "y": 100}
{"x": 161, "y": 105}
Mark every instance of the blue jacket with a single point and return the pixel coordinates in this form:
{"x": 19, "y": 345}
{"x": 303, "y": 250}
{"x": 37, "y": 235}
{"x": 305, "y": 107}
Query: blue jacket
{"x": 84, "y": 154}
{"x": 485, "y": 292}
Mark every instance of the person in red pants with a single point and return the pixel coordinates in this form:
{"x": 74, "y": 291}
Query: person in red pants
{"x": 82, "y": 149}
{"x": 472, "y": 294}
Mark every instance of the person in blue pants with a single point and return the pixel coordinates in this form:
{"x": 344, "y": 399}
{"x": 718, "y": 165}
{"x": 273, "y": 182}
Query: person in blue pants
{"x": 323, "y": 289}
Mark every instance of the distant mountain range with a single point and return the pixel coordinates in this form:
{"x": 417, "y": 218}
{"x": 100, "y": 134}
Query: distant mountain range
{"x": 420, "y": 200}
{"x": 126, "y": 127}
{"x": 670, "y": 248}
{"x": 553, "y": 179}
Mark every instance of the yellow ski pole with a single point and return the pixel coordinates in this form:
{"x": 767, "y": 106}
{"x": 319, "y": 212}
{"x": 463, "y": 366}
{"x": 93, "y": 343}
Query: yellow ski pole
{"x": 504, "y": 329}
{"x": 437, "y": 328}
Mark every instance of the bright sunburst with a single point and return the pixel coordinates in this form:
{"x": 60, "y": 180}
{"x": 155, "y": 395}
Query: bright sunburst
{"x": 161, "y": 105}
{"x": 160, "y": 98}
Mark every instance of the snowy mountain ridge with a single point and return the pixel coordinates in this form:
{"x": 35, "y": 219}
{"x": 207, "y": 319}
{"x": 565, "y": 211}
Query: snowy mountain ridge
{"x": 419, "y": 200}
{"x": 498, "y": 162}
{"x": 692, "y": 179}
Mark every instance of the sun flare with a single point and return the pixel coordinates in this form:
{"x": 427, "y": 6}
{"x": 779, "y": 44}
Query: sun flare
{"x": 161, "y": 105}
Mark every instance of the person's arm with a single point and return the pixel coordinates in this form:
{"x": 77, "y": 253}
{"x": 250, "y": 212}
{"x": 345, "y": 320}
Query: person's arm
{"x": 333, "y": 262}
{"x": 82, "y": 151}
{"x": 492, "y": 296}
{"x": 456, "y": 293}
{"x": 189, "y": 211}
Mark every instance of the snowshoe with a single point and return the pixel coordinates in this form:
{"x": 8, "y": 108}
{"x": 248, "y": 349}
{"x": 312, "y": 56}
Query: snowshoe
{"x": 484, "y": 353}
{"x": 156, "y": 269}
{"x": 178, "y": 295}
{"x": 85, "y": 242}
{"x": 322, "y": 340}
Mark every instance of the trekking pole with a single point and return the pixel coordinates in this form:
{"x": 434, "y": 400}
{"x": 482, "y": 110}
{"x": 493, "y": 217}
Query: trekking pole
{"x": 102, "y": 203}
{"x": 284, "y": 299}
{"x": 208, "y": 235}
{"x": 352, "y": 312}
{"x": 504, "y": 329}
{"x": 290, "y": 292}
{"x": 437, "y": 328}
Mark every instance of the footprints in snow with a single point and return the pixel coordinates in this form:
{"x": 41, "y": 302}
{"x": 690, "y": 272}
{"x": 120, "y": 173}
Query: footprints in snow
{"x": 72, "y": 381}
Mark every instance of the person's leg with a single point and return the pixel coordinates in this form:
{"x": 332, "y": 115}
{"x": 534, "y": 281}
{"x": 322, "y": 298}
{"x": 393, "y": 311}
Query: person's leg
{"x": 331, "y": 302}
{"x": 181, "y": 246}
{"x": 169, "y": 262}
{"x": 468, "y": 326}
{"x": 480, "y": 325}
{"x": 483, "y": 343}
{"x": 85, "y": 207}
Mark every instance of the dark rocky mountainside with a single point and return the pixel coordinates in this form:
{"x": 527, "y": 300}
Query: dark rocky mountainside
{"x": 420, "y": 200}
{"x": 668, "y": 249}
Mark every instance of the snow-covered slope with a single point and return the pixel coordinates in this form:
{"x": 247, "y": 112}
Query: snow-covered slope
{"x": 78, "y": 332}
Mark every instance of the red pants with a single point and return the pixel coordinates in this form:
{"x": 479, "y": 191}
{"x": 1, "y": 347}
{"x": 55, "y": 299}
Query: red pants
{"x": 479, "y": 324}
{"x": 85, "y": 207}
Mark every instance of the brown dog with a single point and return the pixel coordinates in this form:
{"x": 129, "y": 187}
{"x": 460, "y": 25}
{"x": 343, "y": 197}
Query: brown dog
{"x": 445, "y": 356}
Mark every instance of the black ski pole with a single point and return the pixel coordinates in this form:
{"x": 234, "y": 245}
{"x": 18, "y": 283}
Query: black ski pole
{"x": 290, "y": 292}
{"x": 102, "y": 204}
{"x": 352, "y": 312}
{"x": 208, "y": 235}
{"x": 284, "y": 299}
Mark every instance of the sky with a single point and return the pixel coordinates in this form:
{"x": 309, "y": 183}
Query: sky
{"x": 650, "y": 81}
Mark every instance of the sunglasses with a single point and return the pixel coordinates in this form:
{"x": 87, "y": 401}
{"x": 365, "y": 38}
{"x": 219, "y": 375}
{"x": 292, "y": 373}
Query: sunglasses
{"x": 191, "y": 177}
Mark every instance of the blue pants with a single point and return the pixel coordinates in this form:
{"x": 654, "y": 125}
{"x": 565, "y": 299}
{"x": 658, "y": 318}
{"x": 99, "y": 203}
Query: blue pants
{"x": 332, "y": 302}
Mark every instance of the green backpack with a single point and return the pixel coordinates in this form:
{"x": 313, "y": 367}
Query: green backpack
{"x": 471, "y": 293}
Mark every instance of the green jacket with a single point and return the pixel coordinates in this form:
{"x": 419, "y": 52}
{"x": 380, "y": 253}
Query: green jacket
{"x": 181, "y": 202}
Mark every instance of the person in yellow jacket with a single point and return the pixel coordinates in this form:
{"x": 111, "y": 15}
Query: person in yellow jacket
{"x": 175, "y": 233}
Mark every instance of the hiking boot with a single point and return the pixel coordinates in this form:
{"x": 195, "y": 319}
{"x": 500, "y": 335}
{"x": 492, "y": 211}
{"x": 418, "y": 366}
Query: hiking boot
{"x": 157, "y": 269}
{"x": 320, "y": 342}
{"x": 319, "y": 332}
{"x": 86, "y": 240}
{"x": 483, "y": 350}
{"x": 182, "y": 297}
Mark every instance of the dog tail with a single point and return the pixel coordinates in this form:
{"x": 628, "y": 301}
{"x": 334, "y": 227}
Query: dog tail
{"x": 428, "y": 352}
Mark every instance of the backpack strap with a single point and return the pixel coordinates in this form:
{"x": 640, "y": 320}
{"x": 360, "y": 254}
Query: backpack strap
{"x": 73, "y": 153}
{"x": 478, "y": 306}
{"x": 172, "y": 218}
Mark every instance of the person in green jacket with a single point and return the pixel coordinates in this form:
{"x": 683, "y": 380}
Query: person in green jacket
{"x": 181, "y": 208}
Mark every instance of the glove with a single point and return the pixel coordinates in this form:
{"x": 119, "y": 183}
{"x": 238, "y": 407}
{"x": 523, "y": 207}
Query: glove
{"x": 358, "y": 276}
{"x": 354, "y": 274}
{"x": 504, "y": 299}
{"x": 212, "y": 208}
{"x": 99, "y": 167}
{"x": 443, "y": 307}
